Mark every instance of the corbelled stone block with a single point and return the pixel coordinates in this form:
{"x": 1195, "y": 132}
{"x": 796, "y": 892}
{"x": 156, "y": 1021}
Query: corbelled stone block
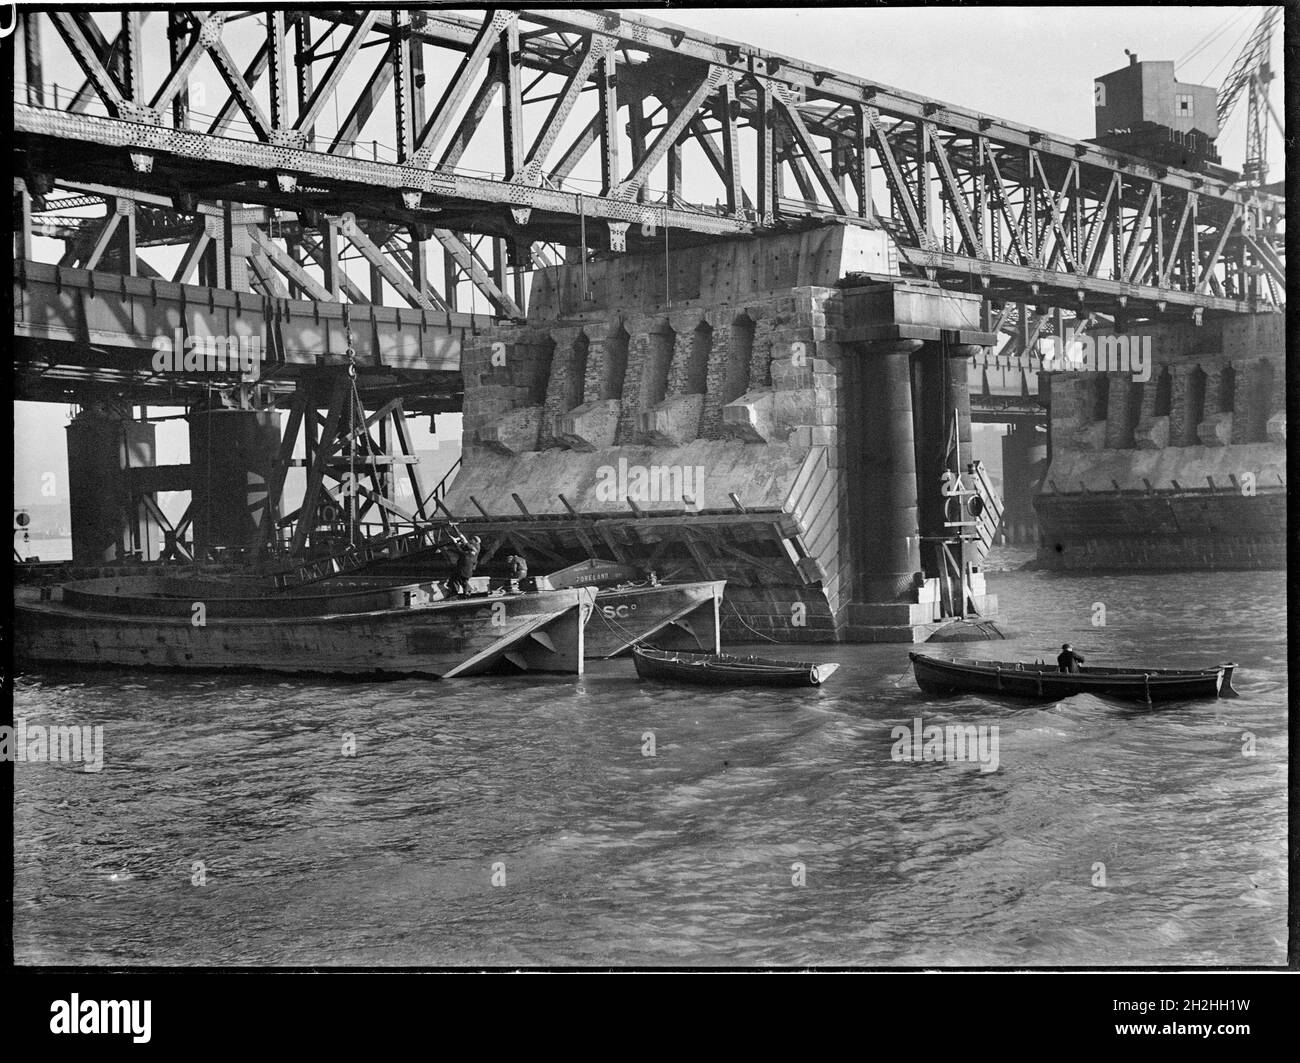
{"x": 673, "y": 422}
{"x": 591, "y": 426}
{"x": 750, "y": 417}
{"x": 1215, "y": 430}
{"x": 513, "y": 433}
{"x": 1152, "y": 434}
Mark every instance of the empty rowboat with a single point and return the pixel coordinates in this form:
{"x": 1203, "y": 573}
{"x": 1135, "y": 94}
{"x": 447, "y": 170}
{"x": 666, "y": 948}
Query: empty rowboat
{"x": 722, "y": 669}
{"x": 1045, "y": 682}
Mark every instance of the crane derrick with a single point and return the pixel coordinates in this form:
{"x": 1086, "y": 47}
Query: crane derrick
{"x": 1251, "y": 74}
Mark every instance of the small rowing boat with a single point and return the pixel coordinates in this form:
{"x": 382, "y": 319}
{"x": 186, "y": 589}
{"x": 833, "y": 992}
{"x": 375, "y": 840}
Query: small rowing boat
{"x": 1045, "y": 682}
{"x": 722, "y": 669}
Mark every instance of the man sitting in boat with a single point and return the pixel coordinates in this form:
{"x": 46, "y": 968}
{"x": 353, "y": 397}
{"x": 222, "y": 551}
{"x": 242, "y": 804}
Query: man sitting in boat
{"x": 1067, "y": 660}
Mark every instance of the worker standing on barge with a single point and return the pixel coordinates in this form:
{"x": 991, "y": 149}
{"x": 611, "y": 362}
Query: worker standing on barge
{"x": 467, "y": 551}
{"x": 517, "y": 567}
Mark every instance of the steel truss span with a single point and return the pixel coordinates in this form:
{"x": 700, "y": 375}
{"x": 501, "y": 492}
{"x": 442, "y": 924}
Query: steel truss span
{"x": 600, "y": 129}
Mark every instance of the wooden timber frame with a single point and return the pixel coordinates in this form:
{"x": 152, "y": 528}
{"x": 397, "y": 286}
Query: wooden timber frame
{"x": 353, "y": 459}
{"x": 678, "y": 543}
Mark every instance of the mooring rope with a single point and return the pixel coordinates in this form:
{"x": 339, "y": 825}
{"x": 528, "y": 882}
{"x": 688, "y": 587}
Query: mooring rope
{"x": 901, "y": 676}
{"x": 352, "y": 447}
{"x": 618, "y": 628}
{"x": 630, "y": 636}
{"x": 760, "y": 634}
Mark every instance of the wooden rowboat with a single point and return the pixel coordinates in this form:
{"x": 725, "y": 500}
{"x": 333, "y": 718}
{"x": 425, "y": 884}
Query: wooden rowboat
{"x": 1045, "y": 682}
{"x": 722, "y": 669}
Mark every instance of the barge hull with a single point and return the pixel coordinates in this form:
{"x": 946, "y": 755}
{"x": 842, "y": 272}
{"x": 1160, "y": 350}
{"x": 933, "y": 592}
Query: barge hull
{"x": 534, "y": 632}
{"x": 679, "y": 616}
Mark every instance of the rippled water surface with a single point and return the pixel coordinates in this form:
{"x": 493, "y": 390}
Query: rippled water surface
{"x": 609, "y": 856}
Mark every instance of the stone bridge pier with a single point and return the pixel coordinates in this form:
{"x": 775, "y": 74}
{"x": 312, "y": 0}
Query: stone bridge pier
{"x": 1178, "y": 460}
{"x": 759, "y": 411}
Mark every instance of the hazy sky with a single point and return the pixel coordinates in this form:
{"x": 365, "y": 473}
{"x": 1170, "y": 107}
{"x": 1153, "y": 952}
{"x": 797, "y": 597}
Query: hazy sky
{"x": 1032, "y": 65}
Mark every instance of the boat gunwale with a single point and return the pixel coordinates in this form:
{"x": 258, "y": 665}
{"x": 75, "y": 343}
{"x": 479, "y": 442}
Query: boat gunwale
{"x": 441, "y": 605}
{"x": 725, "y": 668}
{"x": 993, "y": 668}
{"x": 721, "y": 661}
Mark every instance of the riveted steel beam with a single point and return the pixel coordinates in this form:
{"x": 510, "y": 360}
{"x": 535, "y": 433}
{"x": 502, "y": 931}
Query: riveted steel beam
{"x": 1019, "y": 198}
{"x": 72, "y": 28}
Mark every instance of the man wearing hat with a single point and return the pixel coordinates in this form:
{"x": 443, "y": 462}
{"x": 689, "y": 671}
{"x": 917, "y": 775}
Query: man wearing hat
{"x": 517, "y": 566}
{"x": 1067, "y": 660}
{"x": 466, "y": 559}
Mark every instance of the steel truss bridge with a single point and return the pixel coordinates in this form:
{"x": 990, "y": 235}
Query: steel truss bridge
{"x": 679, "y": 134}
{"x": 363, "y": 186}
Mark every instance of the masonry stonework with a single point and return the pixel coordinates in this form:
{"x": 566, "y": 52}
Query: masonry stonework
{"x": 1201, "y": 484}
{"x": 729, "y": 378}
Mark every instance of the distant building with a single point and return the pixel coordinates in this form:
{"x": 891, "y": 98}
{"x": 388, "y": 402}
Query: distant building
{"x": 1143, "y": 109}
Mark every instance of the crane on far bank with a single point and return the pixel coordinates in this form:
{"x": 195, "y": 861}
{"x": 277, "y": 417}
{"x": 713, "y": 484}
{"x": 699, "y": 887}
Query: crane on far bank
{"x": 1251, "y": 74}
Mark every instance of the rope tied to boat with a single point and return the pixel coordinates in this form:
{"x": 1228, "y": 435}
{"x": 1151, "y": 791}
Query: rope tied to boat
{"x": 618, "y": 628}
{"x": 631, "y": 637}
{"x": 742, "y": 620}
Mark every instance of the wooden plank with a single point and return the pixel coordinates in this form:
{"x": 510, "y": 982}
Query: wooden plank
{"x": 806, "y": 470}
{"x": 753, "y": 562}
{"x": 698, "y": 556}
{"x": 822, "y": 529}
{"x": 816, "y": 501}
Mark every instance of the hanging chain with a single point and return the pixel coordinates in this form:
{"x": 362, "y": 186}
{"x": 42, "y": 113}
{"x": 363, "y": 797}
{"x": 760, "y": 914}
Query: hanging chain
{"x": 353, "y": 399}
{"x": 355, "y": 404}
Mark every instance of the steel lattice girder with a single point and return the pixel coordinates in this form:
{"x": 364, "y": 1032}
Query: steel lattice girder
{"x": 965, "y": 195}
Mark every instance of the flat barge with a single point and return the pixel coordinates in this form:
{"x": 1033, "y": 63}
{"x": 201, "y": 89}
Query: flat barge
{"x": 349, "y": 628}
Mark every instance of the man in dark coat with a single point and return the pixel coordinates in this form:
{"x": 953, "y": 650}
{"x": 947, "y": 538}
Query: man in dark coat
{"x": 1067, "y": 660}
{"x": 517, "y": 567}
{"x": 466, "y": 559}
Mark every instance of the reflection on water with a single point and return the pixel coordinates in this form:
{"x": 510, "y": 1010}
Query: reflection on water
{"x": 607, "y": 856}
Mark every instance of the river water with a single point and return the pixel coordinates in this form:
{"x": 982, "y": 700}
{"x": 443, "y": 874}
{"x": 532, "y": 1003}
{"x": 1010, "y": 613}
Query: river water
{"x": 505, "y": 822}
